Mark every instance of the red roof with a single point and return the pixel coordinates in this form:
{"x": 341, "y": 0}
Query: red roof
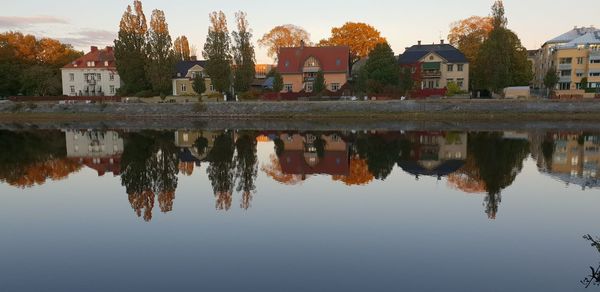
{"x": 331, "y": 59}
{"x": 102, "y": 165}
{"x": 104, "y": 58}
{"x": 333, "y": 163}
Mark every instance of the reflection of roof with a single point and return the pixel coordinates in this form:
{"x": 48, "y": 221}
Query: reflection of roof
{"x": 414, "y": 54}
{"x": 332, "y": 163}
{"x": 185, "y": 155}
{"x": 590, "y": 183}
{"x": 102, "y": 165}
{"x": 331, "y": 59}
{"x": 444, "y": 169}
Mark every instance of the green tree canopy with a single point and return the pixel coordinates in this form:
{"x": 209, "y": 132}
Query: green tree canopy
{"x": 381, "y": 70}
{"x": 319, "y": 86}
{"x": 243, "y": 54}
{"x": 199, "y": 84}
{"x": 217, "y": 52}
{"x": 161, "y": 57}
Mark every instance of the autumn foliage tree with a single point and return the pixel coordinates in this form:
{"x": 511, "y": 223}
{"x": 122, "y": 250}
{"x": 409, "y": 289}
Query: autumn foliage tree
{"x": 217, "y": 52}
{"x": 181, "y": 46}
{"x": 360, "y": 37}
{"x": 243, "y": 54}
{"x": 283, "y": 36}
{"x": 161, "y": 58}
{"x": 469, "y": 34}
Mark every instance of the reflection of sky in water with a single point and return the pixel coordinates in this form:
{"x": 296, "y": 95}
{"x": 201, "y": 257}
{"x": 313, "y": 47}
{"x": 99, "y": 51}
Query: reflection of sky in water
{"x": 402, "y": 233}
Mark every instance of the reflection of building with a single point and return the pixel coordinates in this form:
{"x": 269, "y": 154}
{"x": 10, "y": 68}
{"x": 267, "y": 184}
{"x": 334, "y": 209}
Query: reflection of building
{"x": 310, "y": 154}
{"x": 299, "y": 67}
{"x": 576, "y": 159}
{"x": 192, "y": 153}
{"x": 435, "y": 153}
{"x": 98, "y": 150}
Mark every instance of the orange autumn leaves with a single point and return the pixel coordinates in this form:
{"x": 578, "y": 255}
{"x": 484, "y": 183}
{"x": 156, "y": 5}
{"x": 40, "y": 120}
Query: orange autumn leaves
{"x": 39, "y": 173}
{"x": 359, "y": 173}
{"x": 469, "y": 34}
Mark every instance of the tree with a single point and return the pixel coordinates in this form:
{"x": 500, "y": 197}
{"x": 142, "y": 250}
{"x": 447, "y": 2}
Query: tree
{"x": 283, "y": 36}
{"x": 41, "y": 80}
{"x": 584, "y": 83}
{"x": 199, "y": 84}
{"x": 551, "y": 79}
{"x": 502, "y": 60}
{"x": 161, "y": 58}
{"x": 181, "y": 46}
{"x": 246, "y": 162}
{"x": 469, "y": 34}
{"x": 217, "y": 52}
{"x": 360, "y": 37}
{"x": 319, "y": 86}
{"x": 221, "y": 170}
{"x": 130, "y": 49}
{"x": 277, "y": 81}
{"x": 406, "y": 83}
{"x": 381, "y": 70}
{"x": 243, "y": 54}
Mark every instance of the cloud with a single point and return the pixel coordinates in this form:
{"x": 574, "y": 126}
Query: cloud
{"x": 85, "y": 38}
{"x": 28, "y": 21}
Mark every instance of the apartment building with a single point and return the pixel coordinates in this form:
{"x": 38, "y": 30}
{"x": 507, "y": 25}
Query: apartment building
{"x": 575, "y": 55}
{"x": 94, "y": 74}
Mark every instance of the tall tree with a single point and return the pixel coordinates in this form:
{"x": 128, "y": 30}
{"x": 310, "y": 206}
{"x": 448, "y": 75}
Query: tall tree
{"x": 199, "y": 84}
{"x": 381, "y": 70}
{"x": 277, "y": 81}
{"x": 360, "y": 37}
{"x": 217, "y": 52}
{"x": 130, "y": 49}
{"x": 221, "y": 170}
{"x": 161, "y": 58}
{"x": 283, "y": 36}
{"x": 319, "y": 86}
{"x": 181, "y": 46}
{"x": 502, "y": 59}
{"x": 246, "y": 162}
{"x": 243, "y": 54}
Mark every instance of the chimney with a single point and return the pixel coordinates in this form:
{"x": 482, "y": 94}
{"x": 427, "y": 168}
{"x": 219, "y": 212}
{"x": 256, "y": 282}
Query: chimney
{"x": 193, "y": 58}
{"x": 94, "y": 49}
{"x": 442, "y": 42}
{"x": 302, "y": 44}
{"x": 419, "y": 42}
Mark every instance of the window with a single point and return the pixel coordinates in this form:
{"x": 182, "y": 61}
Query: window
{"x": 450, "y": 67}
{"x": 338, "y": 62}
{"x": 111, "y": 76}
{"x": 579, "y": 74}
{"x": 566, "y": 60}
{"x": 335, "y": 87}
{"x": 72, "y": 89}
{"x": 460, "y": 67}
{"x": 564, "y": 85}
{"x": 308, "y": 87}
{"x": 594, "y": 74}
{"x": 448, "y": 81}
{"x": 595, "y": 61}
{"x": 183, "y": 88}
{"x": 112, "y": 89}
{"x": 71, "y": 77}
{"x": 460, "y": 82}
{"x": 212, "y": 87}
{"x": 565, "y": 73}
{"x": 287, "y": 87}
{"x": 105, "y": 63}
{"x": 99, "y": 77}
{"x": 580, "y": 60}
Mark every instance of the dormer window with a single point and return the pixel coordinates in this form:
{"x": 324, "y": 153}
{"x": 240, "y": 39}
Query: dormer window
{"x": 105, "y": 63}
{"x": 312, "y": 62}
{"x": 287, "y": 63}
{"x": 338, "y": 62}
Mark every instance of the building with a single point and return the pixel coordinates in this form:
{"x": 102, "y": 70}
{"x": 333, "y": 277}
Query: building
{"x": 574, "y": 55}
{"x": 299, "y": 67}
{"x": 94, "y": 74}
{"x": 434, "y": 66}
{"x": 437, "y": 154}
{"x": 185, "y": 72}
{"x": 97, "y": 150}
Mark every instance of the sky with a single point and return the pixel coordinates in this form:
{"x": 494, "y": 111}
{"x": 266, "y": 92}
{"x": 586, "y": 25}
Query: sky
{"x": 403, "y": 23}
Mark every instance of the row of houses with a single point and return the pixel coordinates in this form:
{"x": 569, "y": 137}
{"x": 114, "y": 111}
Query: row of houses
{"x": 433, "y": 67}
{"x": 575, "y": 55}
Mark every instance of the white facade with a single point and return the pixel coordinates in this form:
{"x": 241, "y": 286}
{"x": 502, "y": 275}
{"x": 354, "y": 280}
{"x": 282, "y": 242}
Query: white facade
{"x": 90, "y": 81}
{"x": 93, "y": 144}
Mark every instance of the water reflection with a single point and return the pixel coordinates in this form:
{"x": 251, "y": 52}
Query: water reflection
{"x": 149, "y": 162}
{"x": 594, "y": 277}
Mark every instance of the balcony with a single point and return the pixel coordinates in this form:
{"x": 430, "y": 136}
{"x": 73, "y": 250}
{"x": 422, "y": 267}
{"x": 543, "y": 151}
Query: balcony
{"x": 565, "y": 66}
{"x": 432, "y": 74}
{"x": 564, "y": 79}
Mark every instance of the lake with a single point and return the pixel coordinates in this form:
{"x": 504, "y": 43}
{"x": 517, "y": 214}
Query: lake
{"x": 241, "y": 210}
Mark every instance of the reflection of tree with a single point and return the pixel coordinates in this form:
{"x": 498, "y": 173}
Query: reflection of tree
{"x": 274, "y": 171}
{"x": 246, "y": 168}
{"x": 381, "y": 155}
{"x": 594, "y": 277}
{"x": 220, "y": 170}
{"x": 31, "y": 157}
{"x": 359, "y": 173}
{"x": 497, "y": 161}
{"x": 150, "y": 167}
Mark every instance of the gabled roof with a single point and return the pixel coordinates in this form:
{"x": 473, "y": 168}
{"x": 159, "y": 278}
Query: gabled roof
{"x": 99, "y": 57}
{"x": 182, "y": 67}
{"x": 571, "y": 35}
{"x": 331, "y": 59}
{"x": 415, "y": 53}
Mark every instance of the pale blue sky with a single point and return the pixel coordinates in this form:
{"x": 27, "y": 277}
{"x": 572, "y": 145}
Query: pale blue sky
{"x": 403, "y": 23}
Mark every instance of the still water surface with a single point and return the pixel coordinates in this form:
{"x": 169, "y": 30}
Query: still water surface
{"x": 195, "y": 210}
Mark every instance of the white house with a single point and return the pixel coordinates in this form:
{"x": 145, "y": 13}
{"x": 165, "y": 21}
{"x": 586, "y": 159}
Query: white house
{"x": 94, "y": 74}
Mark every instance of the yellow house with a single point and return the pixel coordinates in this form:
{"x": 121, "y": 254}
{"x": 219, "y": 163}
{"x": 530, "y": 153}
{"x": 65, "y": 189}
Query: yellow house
{"x": 183, "y": 81}
{"x": 299, "y": 67}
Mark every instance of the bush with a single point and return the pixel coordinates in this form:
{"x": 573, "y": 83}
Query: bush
{"x": 145, "y": 93}
{"x": 252, "y": 94}
{"x": 453, "y": 89}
